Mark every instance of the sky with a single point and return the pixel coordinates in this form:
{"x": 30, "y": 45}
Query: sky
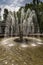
{"x": 13, "y": 4}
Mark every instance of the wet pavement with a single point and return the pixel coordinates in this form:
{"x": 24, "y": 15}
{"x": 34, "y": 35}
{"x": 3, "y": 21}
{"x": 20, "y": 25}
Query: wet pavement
{"x": 12, "y": 53}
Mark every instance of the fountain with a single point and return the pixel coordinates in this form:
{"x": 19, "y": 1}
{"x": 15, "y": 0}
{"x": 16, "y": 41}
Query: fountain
{"x": 18, "y": 47}
{"x": 21, "y": 49}
{"x": 21, "y": 27}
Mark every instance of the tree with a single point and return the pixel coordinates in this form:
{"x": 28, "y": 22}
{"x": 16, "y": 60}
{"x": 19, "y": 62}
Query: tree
{"x": 36, "y": 2}
{"x": 4, "y": 21}
{"x": 5, "y": 14}
{"x": 0, "y": 14}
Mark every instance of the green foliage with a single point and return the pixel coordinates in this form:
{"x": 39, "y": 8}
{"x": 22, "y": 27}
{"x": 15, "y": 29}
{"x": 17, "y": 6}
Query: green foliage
{"x": 37, "y": 5}
{"x": 28, "y": 6}
{"x": 41, "y": 23}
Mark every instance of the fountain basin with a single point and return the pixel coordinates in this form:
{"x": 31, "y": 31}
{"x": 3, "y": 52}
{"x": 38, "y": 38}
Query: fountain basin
{"x": 21, "y": 53}
{"x": 30, "y": 41}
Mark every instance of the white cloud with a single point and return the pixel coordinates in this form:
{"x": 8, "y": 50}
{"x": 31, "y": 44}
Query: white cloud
{"x": 14, "y": 5}
{"x": 11, "y": 8}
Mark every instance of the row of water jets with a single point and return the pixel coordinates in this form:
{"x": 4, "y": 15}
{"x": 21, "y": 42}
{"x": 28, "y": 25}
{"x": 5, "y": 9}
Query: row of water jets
{"x": 28, "y": 23}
